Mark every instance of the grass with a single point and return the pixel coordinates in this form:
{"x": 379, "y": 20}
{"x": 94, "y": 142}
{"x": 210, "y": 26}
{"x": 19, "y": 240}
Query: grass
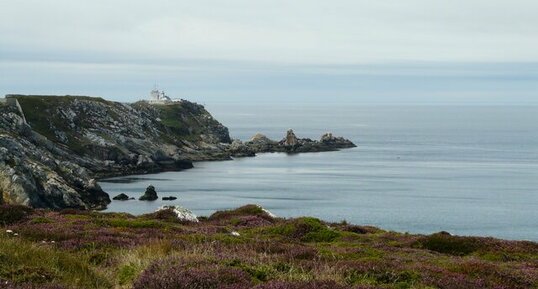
{"x": 27, "y": 262}
{"x": 79, "y": 249}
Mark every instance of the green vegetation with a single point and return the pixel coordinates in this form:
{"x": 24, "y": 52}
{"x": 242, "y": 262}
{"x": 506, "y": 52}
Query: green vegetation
{"x": 245, "y": 248}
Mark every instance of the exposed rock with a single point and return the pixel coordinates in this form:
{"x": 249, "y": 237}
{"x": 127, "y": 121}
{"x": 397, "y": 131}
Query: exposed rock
{"x": 290, "y": 139}
{"x": 53, "y": 148}
{"x": 292, "y": 144}
{"x": 239, "y": 149}
{"x": 121, "y": 197}
{"x": 181, "y": 213}
{"x": 150, "y": 194}
{"x": 50, "y": 159}
{"x": 259, "y": 143}
{"x": 170, "y": 198}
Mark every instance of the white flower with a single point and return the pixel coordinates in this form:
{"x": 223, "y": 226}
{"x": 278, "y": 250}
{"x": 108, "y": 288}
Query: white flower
{"x": 9, "y": 231}
{"x": 235, "y": 234}
{"x": 15, "y": 234}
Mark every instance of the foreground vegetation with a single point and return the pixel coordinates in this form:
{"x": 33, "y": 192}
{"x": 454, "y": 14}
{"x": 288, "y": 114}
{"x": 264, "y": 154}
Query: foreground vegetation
{"x": 245, "y": 248}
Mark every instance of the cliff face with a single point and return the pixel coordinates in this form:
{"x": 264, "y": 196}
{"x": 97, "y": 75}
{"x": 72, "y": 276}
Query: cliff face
{"x": 51, "y": 148}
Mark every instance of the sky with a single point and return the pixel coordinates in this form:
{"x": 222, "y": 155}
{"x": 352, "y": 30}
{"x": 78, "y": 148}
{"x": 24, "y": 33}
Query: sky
{"x": 244, "y": 51}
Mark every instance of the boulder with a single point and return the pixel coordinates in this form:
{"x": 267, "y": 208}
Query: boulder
{"x": 121, "y": 197}
{"x": 150, "y": 194}
{"x": 181, "y": 213}
{"x": 238, "y": 149}
{"x": 261, "y": 143}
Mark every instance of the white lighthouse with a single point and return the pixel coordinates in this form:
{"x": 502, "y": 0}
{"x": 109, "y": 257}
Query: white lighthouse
{"x": 157, "y": 96}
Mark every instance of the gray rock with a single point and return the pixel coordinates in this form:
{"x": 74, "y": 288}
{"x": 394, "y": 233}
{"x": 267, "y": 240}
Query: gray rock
{"x": 181, "y": 213}
{"x": 121, "y": 197}
{"x": 149, "y": 195}
{"x": 290, "y": 139}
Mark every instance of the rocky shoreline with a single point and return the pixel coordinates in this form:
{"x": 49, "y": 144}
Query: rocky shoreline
{"x": 53, "y": 148}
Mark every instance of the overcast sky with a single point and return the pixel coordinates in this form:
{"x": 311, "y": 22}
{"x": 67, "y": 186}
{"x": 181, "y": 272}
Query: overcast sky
{"x": 425, "y": 51}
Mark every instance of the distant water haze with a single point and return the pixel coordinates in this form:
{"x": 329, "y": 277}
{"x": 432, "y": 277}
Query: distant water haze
{"x": 469, "y": 170}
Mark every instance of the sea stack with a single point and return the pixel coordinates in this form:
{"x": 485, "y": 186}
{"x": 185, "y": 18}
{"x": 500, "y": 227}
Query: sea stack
{"x": 150, "y": 194}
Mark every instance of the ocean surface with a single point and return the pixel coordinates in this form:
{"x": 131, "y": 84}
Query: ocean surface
{"x": 469, "y": 170}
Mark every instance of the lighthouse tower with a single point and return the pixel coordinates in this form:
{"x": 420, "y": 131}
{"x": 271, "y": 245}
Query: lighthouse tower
{"x": 157, "y": 96}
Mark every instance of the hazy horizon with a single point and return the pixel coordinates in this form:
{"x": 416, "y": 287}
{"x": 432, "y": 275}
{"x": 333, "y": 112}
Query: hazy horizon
{"x": 344, "y": 52}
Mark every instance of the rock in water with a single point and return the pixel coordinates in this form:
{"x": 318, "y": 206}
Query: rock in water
{"x": 171, "y": 198}
{"x": 291, "y": 138}
{"x": 150, "y": 194}
{"x": 181, "y": 213}
{"x": 121, "y": 197}
{"x": 239, "y": 149}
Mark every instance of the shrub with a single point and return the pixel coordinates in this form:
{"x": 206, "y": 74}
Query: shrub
{"x": 10, "y": 214}
{"x": 360, "y": 229}
{"x": 379, "y": 272}
{"x": 10, "y": 285}
{"x": 452, "y": 245}
{"x": 303, "y": 285}
{"x": 41, "y": 220}
{"x": 129, "y": 223}
{"x": 248, "y": 210}
{"x": 173, "y": 273}
{"x": 306, "y": 230}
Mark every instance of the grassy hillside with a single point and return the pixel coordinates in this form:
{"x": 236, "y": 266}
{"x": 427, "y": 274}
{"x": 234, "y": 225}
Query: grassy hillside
{"x": 245, "y": 248}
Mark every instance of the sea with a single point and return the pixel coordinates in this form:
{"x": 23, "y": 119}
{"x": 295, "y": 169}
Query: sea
{"x": 468, "y": 170}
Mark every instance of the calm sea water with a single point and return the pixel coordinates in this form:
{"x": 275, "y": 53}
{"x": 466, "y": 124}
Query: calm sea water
{"x": 469, "y": 170}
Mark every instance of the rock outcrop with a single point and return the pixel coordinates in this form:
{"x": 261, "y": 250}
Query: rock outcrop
{"x": 150, "y": 194}
{"x": 290, "y": 139}
{"x": 292, "y": 144}
{"x": 182, "y": 214}
{"x": 121, "y": 197}
{"x": 53, "y": 148}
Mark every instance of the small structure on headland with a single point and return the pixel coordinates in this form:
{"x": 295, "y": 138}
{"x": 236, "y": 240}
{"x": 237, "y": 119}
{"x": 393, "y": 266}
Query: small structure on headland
{"x": 157, "y": 96}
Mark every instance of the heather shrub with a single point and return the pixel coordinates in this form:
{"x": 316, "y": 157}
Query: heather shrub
{"x": 360, "y": 229}
{"x": 248, "y": 210}
{"x": 257, "y": 271}
{"x": 40, "y": 220}
{"x": 128, "y": 223}
{"x": 303, "y": 285}
{"x": 164, "y": 215}
{"x": 11, "y": 285}
{"x": 10, "y": 214}
{"x": 378, "y": 272}
{"x": 289, "y": 251}
{"x": 70, "y": 211}
{"x": 306, "y": 229}
{"x": 452, "y": 245}
{"x": 179, "y": 275}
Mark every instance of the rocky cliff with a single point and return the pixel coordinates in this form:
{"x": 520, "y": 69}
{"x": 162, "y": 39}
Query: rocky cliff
{"x": 52, "y": 148}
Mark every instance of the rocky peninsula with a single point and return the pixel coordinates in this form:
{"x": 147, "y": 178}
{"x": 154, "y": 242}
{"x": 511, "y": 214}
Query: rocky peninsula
{"x": 53, "y": 148}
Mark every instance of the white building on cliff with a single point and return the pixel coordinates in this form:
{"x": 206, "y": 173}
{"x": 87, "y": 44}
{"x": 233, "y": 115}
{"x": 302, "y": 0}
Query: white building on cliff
{"x": 157, "y": 96}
